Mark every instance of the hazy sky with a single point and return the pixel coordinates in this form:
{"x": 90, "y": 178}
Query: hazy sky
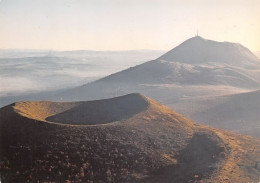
{"x": 126, "y": 24}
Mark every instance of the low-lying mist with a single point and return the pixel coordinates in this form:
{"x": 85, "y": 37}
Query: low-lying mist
{"x": 23, "y": 72}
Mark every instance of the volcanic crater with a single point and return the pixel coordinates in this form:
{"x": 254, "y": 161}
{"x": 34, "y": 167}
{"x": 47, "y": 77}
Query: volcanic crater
{"x": 130, "y": 138}
{"x": 84, "y": 113}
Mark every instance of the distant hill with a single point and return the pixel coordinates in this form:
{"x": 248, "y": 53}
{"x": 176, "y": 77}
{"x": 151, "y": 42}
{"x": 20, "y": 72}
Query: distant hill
{"x": 195, "y": 62}
{"x": 239, "y": 112}
{"x": 126, "y": 139}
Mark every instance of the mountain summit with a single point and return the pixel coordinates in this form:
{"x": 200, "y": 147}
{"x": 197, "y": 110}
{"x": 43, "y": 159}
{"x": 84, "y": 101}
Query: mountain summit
{"x": 196, "y": 61}
{"x": 197, "y": 50}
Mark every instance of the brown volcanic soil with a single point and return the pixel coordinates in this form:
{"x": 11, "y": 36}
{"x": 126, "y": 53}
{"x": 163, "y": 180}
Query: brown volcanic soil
{"x": 125, "y": 139}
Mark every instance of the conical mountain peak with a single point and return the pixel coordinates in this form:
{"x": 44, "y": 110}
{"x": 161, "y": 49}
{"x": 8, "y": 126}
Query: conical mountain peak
{"x": 198, "y": 50}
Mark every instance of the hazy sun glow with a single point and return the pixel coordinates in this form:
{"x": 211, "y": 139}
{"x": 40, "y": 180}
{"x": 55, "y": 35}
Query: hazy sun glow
{"x": 125, "y": 24}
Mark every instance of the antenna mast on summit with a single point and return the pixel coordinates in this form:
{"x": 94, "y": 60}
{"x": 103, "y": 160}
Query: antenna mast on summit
{"x": 197, "y": 34}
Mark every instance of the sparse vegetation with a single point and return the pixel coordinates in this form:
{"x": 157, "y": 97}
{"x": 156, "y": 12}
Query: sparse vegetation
{"x": 154, "y": 145}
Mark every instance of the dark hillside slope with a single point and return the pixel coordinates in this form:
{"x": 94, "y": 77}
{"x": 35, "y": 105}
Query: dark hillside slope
{"x": 238, "y": 112}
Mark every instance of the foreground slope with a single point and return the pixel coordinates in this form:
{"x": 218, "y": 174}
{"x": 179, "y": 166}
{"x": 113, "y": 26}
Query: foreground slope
{"x": 125, "y": 139}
